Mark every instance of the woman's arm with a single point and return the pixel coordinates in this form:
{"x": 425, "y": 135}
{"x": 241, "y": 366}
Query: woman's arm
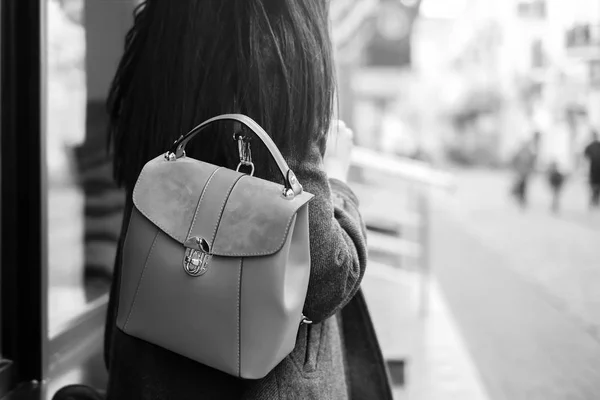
{"x": 337, "y": 240}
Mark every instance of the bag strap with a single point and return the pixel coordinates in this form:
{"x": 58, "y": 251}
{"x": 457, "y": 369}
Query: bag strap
{"x": 292, "y": 186}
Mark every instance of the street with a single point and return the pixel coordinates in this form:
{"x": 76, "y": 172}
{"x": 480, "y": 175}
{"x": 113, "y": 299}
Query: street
{"x": 522, "y": 285}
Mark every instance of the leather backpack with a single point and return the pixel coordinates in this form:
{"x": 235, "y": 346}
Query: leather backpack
{"x": 216, "y": 262}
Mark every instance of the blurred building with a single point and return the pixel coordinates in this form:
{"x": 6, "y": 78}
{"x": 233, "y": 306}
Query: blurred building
{"x": 373, "y": 43}
{"x": 505, "y": 69}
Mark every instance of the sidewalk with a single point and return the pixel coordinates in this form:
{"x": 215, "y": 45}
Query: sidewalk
{"x": 437, "y": 363}
{"x": 523, "y": 287}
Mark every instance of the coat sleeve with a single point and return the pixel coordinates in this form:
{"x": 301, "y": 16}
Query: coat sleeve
{"x": 337, "y": 240}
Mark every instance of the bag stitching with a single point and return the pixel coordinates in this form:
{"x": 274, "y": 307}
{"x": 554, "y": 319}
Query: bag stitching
{"x": 134, "y": 196}
{"x": 169, "y": 232}
{"x": 214, "y": 235}
{"x": 125, "y": 242}
{"x": 264, "y": 253}
{"x": 140, "y": 281}
{"x": 200, "y": 201}
{"x": 239, "y": 310}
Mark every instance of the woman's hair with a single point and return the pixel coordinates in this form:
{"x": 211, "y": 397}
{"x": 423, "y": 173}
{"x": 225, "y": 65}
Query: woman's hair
{"x": 188, "y": 60}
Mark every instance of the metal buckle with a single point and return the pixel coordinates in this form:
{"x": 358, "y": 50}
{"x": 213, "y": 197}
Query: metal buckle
{"x": 197, "y": 255}
{"x": 305, "y": 321}
{"x": 243, "y": 164}
{"x": 290, "y": 192}
{"x": 244, "y": 151}
{"x": 170, "y": 156}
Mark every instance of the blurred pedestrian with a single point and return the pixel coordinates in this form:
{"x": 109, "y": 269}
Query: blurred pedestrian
{"x": 592, "y": 154}
{"x": 556, "y": 179}
{"x": 524, "y": 162}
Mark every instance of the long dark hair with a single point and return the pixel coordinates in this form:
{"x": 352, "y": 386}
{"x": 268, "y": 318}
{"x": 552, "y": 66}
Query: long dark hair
{"x": 188, "y": 60}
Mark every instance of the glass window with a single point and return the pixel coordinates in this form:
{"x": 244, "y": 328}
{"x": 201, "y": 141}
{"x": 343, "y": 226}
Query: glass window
{"x": 84, "y": 205}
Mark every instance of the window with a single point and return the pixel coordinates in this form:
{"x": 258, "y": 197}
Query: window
{"x": 84, "y": 41}
{"x": 21, "y": 318}
{"x": 52, "y": 309}
{"x": 80, "y": 244}
{"x": 534, "y": 9}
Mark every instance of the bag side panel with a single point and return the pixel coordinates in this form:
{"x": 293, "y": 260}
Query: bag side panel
{"x": 273, "y": 293}
{"x": 167, "y": 193}
{"x": 209, "y": 210}
{"x": 138, "y": 244}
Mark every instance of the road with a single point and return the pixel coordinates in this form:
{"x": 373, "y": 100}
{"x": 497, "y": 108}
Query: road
{"x": 523, "y": 286}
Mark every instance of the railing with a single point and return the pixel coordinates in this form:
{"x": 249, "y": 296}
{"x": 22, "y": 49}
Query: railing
{"x": 396, "y": 193}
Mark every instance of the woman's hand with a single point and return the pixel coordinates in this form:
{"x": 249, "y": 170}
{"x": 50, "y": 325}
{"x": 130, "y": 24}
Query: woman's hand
{"x": 339, "y": 150}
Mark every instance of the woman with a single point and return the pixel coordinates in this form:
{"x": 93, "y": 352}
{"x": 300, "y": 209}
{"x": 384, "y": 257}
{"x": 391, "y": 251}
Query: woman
{"x": 187, "y": 61}
{"x": 556, "y": 180}
{"x": 524, "y": 162}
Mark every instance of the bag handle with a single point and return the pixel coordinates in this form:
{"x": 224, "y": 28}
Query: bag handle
{"x": 292, "y": 186}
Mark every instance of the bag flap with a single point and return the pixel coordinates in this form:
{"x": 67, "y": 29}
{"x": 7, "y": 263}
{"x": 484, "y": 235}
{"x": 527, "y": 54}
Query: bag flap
{"x": 237, "y": 214}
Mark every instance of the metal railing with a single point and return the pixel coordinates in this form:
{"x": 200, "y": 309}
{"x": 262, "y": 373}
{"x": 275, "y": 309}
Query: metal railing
{"x": 398, "y": 192}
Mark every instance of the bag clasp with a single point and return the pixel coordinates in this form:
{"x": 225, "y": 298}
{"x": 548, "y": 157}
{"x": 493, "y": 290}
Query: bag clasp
{"x": 197, "y": 255}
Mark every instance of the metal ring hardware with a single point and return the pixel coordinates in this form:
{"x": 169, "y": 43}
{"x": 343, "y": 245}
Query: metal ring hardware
{"x": 178, "y": 148}
{"x": 244, "y": 150}
{"x": 246, "y": 164}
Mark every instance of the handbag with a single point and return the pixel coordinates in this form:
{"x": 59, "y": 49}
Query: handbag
{"x": 216, "y": 262}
